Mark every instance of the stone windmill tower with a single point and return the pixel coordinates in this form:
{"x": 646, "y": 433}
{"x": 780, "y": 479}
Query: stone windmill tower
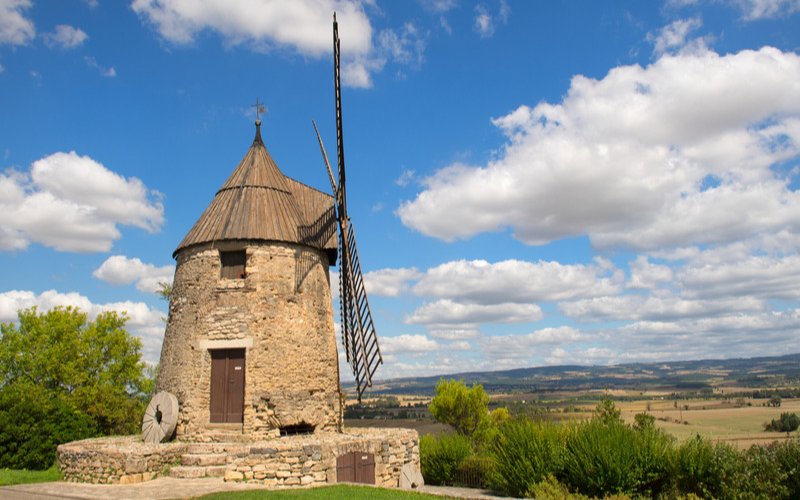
{"x": 249, "y": 347}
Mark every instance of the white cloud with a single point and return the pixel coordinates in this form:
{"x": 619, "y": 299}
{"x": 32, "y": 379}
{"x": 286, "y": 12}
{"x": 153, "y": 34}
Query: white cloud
{"x": 480, "y": 282}
{"x": 408, "y": 343}
{"x": 73, "y": 203}
{"x": 301, "y": 25}
{"x": 455, "y": 315}
{"x": 759, "y": 9}
{"x": 390, "y": 282}
{"x": 485, "y": 22}
{"x": 528, "y": 345}
{"x": 651, "y": 308}
{"x": 438, "y": 6}
{"x": 143, "y": 321}
{"x": 15, "y": 28}
{"x": 65, "y": 37}
{"x": 92, "y": 63}
{"x": 120, "y": 270}
{"x": 737, "y": 335}
{"x": 673, "y": 36}
{"x": 647, "y": 276}
{"x": 669, "y": 155}
{"x": 770, "y": 277}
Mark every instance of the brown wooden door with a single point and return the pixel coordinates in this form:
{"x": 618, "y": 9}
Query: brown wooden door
{"x": 356, "y": 467}
{"x": 227, "y": 385}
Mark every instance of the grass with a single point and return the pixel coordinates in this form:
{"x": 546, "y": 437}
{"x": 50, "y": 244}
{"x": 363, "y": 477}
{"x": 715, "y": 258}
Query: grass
{"x": 9, "y": 477}
{"x": 337, "y": 492}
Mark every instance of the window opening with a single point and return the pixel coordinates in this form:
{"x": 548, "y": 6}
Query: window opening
{"x": 293, "y": 430}
{"x": 233, "y": 264}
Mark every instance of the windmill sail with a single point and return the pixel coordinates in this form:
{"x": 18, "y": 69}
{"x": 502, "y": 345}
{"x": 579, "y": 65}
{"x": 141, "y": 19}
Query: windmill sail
{"x": 358, "y": 331}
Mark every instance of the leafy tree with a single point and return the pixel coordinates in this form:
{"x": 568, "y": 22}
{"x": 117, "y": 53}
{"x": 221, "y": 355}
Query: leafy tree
{"x": 91, "y": 368}
{"x": 775, "y": 400}
{"x": 459, "y": 406}
{"x": 789, "y": 422}
{"x": 164, "y": 290}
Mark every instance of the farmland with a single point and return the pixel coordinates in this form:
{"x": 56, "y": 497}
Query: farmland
{"x": 718, "y": 399}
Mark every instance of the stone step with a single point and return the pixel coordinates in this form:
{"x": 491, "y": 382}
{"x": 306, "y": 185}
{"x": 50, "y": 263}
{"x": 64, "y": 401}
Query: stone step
{"x": 216, "y": 470}
{"x": 204, "y": 460}
{"x": 207, "y": 448}
{"x": 187, "y": 472}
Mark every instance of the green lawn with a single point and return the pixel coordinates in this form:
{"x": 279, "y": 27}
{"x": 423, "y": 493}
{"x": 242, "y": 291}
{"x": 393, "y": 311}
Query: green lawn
{"x": 338, "y": 492}
{"x": 9, "y": 477}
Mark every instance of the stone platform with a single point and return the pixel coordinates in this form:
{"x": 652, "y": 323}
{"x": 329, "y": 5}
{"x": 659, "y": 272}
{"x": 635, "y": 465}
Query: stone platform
{"x": 282, "y": 462}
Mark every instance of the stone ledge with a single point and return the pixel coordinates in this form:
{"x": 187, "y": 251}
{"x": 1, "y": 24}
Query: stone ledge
{"x": 299, "y": 460}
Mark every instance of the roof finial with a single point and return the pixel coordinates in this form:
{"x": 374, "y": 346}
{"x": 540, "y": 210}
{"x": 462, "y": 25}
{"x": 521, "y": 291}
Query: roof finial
{"x": 260, "y": 108}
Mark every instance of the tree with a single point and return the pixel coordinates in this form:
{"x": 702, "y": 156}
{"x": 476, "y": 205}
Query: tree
{"x": 93, "y": 368}
{"x": 164, "y": 291}
{"x": 459, "y": 406}
{"x": 775, "y": 400}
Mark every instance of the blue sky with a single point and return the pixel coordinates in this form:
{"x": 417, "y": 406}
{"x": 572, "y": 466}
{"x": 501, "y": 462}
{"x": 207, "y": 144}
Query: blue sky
{"x": 532, "y": 183}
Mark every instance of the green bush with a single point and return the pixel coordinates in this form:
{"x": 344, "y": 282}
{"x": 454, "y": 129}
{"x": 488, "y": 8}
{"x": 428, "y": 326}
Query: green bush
{"x": 33, "y": 423}
{"x": 605, "y": 457}
{"x": 708, "y": 470}
{"x": 440, "y": 456}
{"x": 526, "y": 453}
{"x": 787, "y": 456}
{"x": 789, "y": 422}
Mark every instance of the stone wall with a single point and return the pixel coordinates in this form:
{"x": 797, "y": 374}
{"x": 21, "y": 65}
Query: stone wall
{"x": 284, "y": 462}
{"x": 123, "y": 460}
{"x": 310, "y": 460}
{"x": 281, "y": 313}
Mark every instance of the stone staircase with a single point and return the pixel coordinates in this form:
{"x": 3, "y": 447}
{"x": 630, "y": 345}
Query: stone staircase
{"x": 202, "y": 460}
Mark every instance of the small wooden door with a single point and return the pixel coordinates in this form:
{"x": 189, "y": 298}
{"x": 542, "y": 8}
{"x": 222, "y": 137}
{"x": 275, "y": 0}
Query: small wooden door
{"x": 227, "y": 385}
{"x": 356, "y": 467}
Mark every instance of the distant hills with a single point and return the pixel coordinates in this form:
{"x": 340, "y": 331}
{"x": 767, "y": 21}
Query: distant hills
{"x": 678, "y": 375}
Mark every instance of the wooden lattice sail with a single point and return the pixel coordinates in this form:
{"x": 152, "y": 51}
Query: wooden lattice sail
{"x": 358, "y": 331}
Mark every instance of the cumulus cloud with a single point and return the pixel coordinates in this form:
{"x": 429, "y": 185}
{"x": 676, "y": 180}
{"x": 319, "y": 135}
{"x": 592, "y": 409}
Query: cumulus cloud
{"x": 456, "y": 315}
{"x": 143, "y": 321}
{"x": 15, "y": 28}
{"x": 647, "y": 276}
{"x": 478, "y": 281}
{"x": 390, "y": 282}
{"x": 528, "y": 345}
{"x": 73, "y": 203}
{"x": 746, "y": 335}
{"x": 120, "y": 270}
{"x": 65, "y": 37}
{"x": 673, "y": 36}
{"x": 653, "y": 308}
{"x": 673, "y": 154}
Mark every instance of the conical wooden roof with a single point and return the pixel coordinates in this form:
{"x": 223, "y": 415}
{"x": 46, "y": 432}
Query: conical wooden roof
{"x": 258, "y": 202}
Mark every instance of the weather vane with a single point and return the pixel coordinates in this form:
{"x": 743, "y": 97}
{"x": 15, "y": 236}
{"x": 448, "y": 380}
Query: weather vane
{"x": 260, "y": 108}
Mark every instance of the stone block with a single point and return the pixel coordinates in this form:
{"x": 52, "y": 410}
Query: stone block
{"x": 233, "y": 475}
{"x": 131, "y": 479}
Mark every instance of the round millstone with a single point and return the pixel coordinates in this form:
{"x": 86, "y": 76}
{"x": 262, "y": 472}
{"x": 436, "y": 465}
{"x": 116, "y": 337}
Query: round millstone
{"x": 160, "y": 418}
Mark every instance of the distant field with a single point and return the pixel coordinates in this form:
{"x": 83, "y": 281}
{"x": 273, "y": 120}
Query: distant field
{"x": 740, "y": 426}
{"x": 719, "y": 420}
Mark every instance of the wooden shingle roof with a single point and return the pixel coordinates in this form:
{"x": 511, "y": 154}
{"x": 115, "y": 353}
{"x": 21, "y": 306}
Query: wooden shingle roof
{"x": 258, "y": 202}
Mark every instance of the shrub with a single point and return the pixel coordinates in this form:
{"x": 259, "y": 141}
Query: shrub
{"x": 789, "y": 422}
{"x": 439, "y": 456}
{"x": 708, "y": 470}
{"x": 787, "y": 456}
{"x": 608, "y": 458}
{"x": 33, "y": 423}
{"x": 526, "y": 453}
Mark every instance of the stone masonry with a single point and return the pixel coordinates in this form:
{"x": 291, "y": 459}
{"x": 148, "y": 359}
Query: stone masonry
{"x": 302, "y": 460}
{"x": 280, "y": 312}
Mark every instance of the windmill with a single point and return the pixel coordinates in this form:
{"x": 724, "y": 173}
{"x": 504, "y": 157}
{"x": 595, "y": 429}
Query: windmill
{"x": 358, "y": 331}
